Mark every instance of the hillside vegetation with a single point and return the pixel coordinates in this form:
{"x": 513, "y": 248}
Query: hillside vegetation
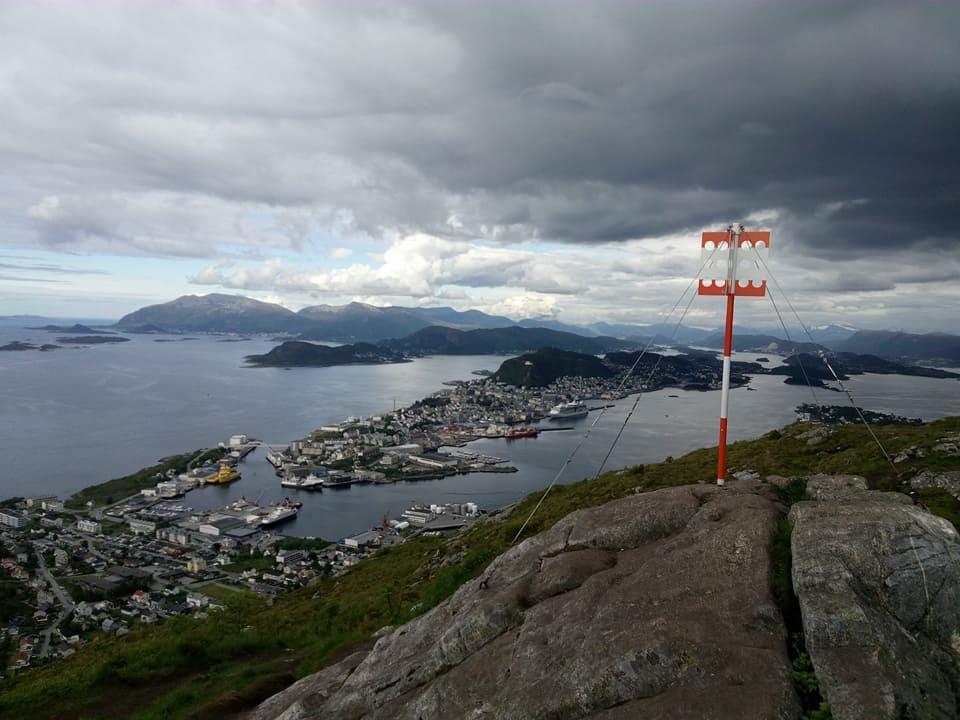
{"x": 212, "y": 669}
{"x": 547, "y": 365}
{"x": 114, "y": 490}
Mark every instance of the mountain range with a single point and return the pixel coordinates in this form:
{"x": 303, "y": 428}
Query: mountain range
{"x": 937, "y": 348}
{"x": 359, "y": 322}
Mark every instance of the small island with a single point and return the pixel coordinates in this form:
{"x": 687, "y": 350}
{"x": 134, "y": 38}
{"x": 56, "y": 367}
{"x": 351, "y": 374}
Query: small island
{"x": 297, "y": 353}
{"x": 74, "y": 329}
{"x": 799, "y": 369}
{"x": 17, "y": 346}
{"x": 92, "y": 340}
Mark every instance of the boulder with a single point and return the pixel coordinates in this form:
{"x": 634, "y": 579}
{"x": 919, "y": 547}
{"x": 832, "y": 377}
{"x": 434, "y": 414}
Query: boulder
{"x": 655, "y": 605}
{"x": 878, "y": 582}
{"x": 948, "y": 480}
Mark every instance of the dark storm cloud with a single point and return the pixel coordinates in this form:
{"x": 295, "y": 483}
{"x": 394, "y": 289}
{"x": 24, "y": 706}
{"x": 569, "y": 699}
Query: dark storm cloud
{"x": 633, "y": 120}
{"x": 561, "y": 121}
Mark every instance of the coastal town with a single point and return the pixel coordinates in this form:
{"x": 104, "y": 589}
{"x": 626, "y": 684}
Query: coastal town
{"x": 66, "y": 579}
{"x": 71, "y": 573}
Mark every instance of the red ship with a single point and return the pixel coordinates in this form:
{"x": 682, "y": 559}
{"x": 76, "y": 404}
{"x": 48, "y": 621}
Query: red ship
{"x": 522, "y": 433}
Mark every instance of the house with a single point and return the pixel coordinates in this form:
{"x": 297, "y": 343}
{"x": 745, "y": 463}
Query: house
{"x": 287, "y": 557}
{"x": 36, "y": 502}
{"x": 51, "y": 521}
{"x": 196, "y": 600}
{"x": 83, "y": 609}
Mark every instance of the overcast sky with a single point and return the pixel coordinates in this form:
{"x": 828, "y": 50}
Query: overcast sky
{"x": 527, "y": 158}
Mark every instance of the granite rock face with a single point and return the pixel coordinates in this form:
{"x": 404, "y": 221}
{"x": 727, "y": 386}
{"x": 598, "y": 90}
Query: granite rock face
{"x": 878, "y": 580}
{"x": 302, "y": 699}
{"x": 656, "y": 605}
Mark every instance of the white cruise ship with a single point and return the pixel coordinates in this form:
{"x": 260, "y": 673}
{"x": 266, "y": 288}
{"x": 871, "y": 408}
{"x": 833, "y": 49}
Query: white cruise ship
{"x": 569, "y": 411}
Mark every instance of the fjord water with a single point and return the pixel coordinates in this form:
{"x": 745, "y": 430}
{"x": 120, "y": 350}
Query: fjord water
{"x": 73, "y": 418}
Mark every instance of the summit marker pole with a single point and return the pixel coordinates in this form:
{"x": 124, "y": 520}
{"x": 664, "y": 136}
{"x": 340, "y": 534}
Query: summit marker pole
{"x": 731, "y": 267}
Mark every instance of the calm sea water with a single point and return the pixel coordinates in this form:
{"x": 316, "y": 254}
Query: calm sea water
{"x": 72, "y": 418}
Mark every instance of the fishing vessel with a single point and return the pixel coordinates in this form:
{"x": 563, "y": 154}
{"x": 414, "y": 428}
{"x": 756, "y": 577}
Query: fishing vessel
{"x": 569, "y": 411}
{"x": 276, "y": 459}
{"x": 297, "y": 479}
{"x": 279, "y": 514}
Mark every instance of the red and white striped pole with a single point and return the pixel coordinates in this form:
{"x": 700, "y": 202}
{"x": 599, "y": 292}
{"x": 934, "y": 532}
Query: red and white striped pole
{"x": 731, "y": 285}
{"x": 731, "y": 276}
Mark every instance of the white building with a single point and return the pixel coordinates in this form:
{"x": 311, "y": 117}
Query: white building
{"x": 237, "y": 440}
{"x": 142, "y": 527}
{"x": 169, "y": 489}
{"x": 408, "y": 449}
{"x": 12, "y": 519}
{"x": 89, "y": 526}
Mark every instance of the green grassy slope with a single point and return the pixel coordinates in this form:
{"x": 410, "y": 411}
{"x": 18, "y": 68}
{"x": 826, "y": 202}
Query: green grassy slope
{"x": 214, "y": 668}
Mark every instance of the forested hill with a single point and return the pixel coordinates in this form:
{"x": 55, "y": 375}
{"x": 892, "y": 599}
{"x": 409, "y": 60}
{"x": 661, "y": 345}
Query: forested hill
{"x": 501, "y": 341}
{"x": 547, "y": 365}
{"x": 297, "y": 353}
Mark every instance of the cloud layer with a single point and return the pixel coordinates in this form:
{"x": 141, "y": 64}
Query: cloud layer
{"x": 460, "y": 139}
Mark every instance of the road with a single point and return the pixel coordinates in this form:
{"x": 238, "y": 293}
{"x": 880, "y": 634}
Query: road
{"x": 95, "y": 552}
{"x": 65, "y": 600}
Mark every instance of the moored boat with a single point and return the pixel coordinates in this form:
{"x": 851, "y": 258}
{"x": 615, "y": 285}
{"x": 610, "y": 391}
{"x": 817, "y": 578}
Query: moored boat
{"x": 569, "y": 411}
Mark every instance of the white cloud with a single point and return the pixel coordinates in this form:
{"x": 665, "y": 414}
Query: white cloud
{"x": 525, "y": 305}
{"x": 340, "y": 252}
{"x": 46, "y": 209}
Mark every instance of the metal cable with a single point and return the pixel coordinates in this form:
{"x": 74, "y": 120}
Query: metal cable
{"x": 636, "y": 400}
{"x": 603, "y": 410}
{"x": 796, "y": 350}
{"x": 833, "y": 372}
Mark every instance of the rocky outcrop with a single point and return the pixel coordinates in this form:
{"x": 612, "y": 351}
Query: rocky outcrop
{"x": 948, "y": 480}
{"x": 305, "y": 697}
{"x": 878, "y": 580}
{"x": 656, "y": 605}
{"x": 659, "y": 606}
